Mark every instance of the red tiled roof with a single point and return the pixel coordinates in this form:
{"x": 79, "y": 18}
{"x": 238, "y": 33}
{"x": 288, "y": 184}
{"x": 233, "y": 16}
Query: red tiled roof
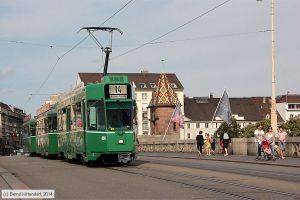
{"x": 251, "y": 108}
{"x": 137, "y": 78}
{"x": 290, "y": 98}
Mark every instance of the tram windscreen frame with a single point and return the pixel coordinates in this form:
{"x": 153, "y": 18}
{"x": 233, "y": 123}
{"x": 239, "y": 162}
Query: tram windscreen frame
{"x": 96, "y": 115}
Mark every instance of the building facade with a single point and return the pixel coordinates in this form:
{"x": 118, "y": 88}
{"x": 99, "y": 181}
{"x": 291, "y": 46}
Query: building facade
{"x": 199, "y": 112}
{"x": 11, "y": 121}
{"x": 288, "y": 106}
{"x": 144, "y": 84}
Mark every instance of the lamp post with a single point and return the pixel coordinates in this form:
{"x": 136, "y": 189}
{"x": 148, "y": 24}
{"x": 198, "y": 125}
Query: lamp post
{"x": 273, "y": 97}
{"x": 273, "y": 100}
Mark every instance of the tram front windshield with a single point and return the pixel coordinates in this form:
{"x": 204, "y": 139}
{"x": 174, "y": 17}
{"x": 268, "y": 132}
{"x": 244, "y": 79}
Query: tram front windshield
{"x": 118, "y": 118}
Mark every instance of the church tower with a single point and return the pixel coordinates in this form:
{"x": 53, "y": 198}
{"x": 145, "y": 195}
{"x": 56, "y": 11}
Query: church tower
{"x": 162, "y": 107}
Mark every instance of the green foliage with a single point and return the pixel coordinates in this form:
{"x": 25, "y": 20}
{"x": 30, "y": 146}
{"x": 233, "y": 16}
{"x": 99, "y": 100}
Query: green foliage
{"x": 266, "y": 123}
{"x": 233, "y": 129}
{"x": 248, "y": 131}
{"x": 292, "y": 127}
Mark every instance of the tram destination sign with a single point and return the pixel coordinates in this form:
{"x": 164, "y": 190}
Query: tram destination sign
{"x": 117, "y": 91}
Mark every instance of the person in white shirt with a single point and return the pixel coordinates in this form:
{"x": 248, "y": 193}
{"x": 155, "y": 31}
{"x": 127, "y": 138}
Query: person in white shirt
{"x": 226, "y": 142}
{"x": 259, "y": 134}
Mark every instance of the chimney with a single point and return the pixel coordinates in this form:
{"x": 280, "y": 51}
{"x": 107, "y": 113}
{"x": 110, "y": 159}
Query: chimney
{"x": 211, "y": 95}
{"x": 264, "y": 99}
{"x": 144, "y": 71}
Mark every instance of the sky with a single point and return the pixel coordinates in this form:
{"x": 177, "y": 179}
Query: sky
{"x": 227, "y": 48}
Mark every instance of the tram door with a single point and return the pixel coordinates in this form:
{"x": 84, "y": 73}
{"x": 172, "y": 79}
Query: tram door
{"x": 68, "y": 127}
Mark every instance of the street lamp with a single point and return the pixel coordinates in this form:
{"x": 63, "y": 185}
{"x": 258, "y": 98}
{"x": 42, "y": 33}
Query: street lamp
{"x": 273, "y": 99}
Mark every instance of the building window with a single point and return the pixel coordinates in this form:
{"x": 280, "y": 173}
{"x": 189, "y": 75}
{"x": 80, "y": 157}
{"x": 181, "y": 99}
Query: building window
{"x": 188, "y": 125}
{"x": 144, "y": 96}
{"x": 145, "y": 116}
{"x": 297, "y": 106}
{"x": 291, "y": 115}
{"x": 173, "y": 85}
{"x": 197, "y": 125}
{"x": 291, "y": 106}
{"x": 267, "y": 116}
{"x": 206, "y": 125}
{"x": 144, "y": 107}
{"x": 189, "y": 136}
{"x": 152, "y": 85}
{"x": 143, "y": 85}
{"x": 145, "y": 126}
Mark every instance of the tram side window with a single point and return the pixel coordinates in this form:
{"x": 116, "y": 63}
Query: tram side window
{"x": 52, "y": 124}
{"x": 96, "y": 115}
{"x": 45, "y": 128}
{"x": 68, "y": 119}
{"x": 62, "y": 120}
{"x": 76, "y": 117}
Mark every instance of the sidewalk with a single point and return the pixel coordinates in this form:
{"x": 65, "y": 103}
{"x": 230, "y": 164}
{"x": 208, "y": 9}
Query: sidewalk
{"x": 287, "y": 162}
{"x": 9, "y": 181}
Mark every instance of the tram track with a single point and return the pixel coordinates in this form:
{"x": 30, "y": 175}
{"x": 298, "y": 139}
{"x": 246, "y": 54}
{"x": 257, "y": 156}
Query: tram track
{"x": 230, "y": 170}
{"x": 197, "y": 182}
{"x": 189, "y": 185}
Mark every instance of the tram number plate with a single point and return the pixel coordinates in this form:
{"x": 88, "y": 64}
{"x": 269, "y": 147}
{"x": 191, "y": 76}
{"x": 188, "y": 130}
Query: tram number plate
{"x": 117, "y": 91}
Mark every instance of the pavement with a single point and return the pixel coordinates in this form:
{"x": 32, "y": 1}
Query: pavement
{"x": 9, "y": 181}
{"x": 287, "y": 162}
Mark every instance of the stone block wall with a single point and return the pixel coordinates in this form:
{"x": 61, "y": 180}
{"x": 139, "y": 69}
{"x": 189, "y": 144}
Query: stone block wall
{"x": 239, "y": 146}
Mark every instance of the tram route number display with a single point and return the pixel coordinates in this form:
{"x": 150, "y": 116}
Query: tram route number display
{"x": 117, "y": 91}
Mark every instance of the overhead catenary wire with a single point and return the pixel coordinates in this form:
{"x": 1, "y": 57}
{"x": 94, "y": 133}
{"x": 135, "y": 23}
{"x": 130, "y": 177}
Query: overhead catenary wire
{"x": 126, "y": 4}
{"x": 211, "y": 37}
{"x": 63, "y": 55}
{"x": 173, "y": 30}
{"x": 53, "y": 68}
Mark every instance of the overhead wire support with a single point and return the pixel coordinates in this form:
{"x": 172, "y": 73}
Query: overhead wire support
{"x": 107, "y": 50}
{"x": 173, "y": 30}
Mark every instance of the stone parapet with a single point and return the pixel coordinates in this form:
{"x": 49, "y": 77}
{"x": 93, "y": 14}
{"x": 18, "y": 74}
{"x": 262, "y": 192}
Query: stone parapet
{"x": 239, "y": 146}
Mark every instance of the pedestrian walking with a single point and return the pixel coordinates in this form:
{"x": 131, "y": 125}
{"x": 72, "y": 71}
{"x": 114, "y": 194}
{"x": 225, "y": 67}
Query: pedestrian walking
{"x": 226, "y": 142}
{"x": 207, "y": 144}
{"x": 200, "y": 141}
{"x": 282, "y": 136}
{"x": 258, "y": 134}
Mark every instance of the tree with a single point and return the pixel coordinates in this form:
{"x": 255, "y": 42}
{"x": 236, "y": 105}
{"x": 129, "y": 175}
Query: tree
{"x": 233, "y": 129}
{"x": 292, "y": 127}
{"x": 248, "y": 131}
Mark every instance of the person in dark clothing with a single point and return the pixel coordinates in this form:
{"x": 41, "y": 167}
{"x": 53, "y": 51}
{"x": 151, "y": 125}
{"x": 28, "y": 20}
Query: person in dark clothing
{"x": 213, "y": 144}
{"x": 226, "y": 142}
{"x": 200, "y": 141}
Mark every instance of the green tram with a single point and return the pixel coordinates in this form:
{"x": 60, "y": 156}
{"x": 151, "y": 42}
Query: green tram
{"x": 95, "y": 122}
{"x": 29, "y": 141}
{"x": 47, "y": 141}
